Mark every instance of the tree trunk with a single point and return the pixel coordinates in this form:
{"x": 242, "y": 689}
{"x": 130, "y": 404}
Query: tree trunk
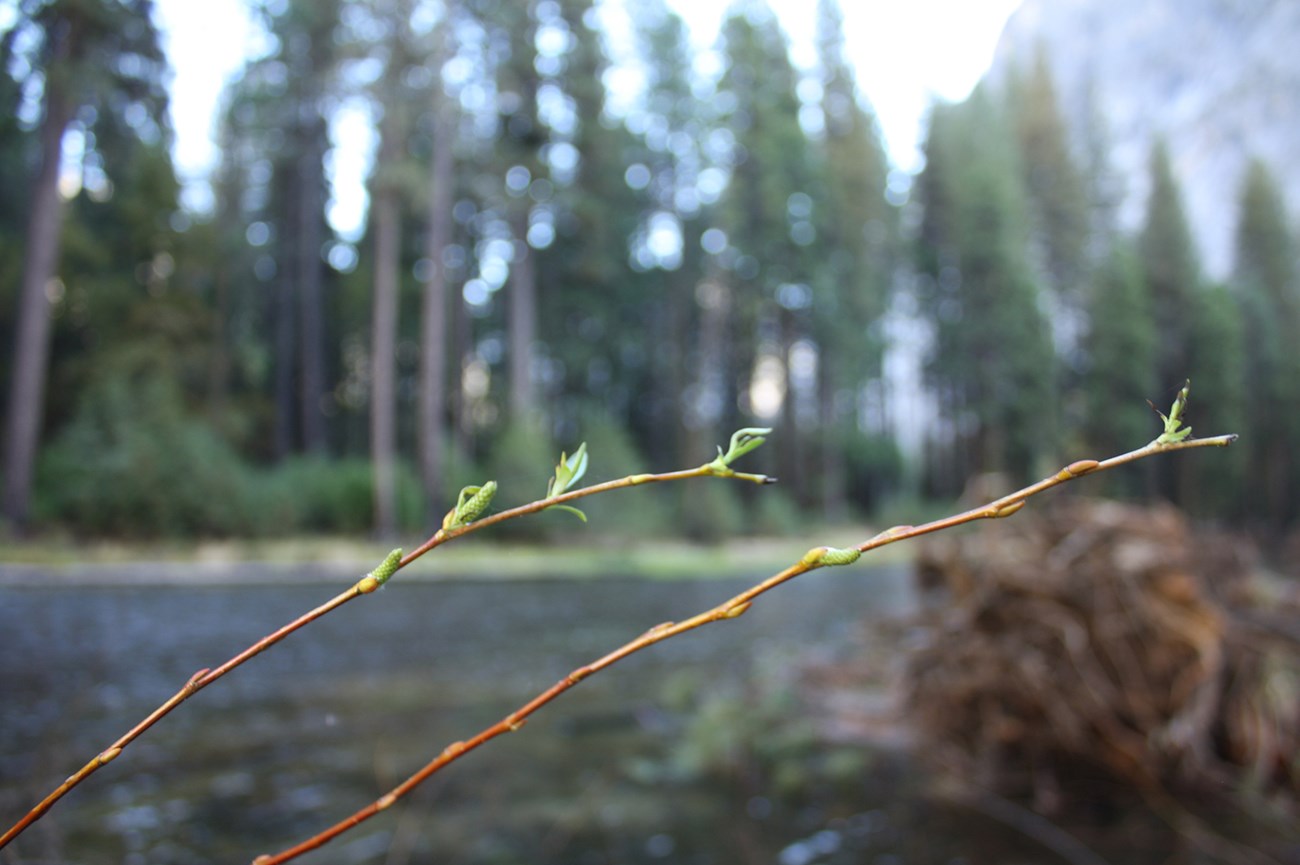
{"x": 219, "y": 370}
{"x": 433, "y": 324}
{"x": 32, "y": 336}
{"x": 790, "y": 456}
{"x": 385, "y": 211}
{"x": 311, "y": 313}
{"x": 523, "y": 321}
{"x": 832, "y": 457}
{"x": 284, "y": 401}
{"x": 462, "y": 344}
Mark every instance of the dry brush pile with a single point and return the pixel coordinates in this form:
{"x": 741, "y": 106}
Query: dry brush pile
{"x": 1102, "y": 638}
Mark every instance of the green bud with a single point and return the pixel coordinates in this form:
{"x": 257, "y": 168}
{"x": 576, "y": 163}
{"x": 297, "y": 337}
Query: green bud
{"x": 376, "y": 578}
{"x": 834, "y": 556}
{"x": 742, "y": 442}
{"x": 388, "y": 566}
{"x": 470, "y": 505}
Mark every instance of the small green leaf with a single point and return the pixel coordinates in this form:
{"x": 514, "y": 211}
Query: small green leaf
{"x": 1174, "y": 430}
{"x": 569, "y": 471}
{"x": 577, "y": 513}
{"x": 742, "y": 442}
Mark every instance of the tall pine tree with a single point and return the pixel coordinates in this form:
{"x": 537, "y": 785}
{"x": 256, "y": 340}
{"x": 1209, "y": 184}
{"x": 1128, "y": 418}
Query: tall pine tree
{"x": 855, "y": 248}
{"x": 1170, "y": 268}
{"x": 992, "y": 362}
{"x": 1172, "y": 275}
{"x": 1268, "y": 292}
{"x": 98, "y": 62}
{"x": 1121, "y": 373}
{"x": 766, "y": 197}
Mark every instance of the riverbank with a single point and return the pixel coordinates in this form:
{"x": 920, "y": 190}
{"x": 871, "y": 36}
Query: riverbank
{"x": 333, "y": 559}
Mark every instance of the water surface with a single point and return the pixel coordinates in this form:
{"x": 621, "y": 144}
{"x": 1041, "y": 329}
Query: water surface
{"x": 338, "y": 713}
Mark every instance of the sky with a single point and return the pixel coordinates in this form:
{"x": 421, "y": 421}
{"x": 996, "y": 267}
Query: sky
{"x": 906, "y": 53}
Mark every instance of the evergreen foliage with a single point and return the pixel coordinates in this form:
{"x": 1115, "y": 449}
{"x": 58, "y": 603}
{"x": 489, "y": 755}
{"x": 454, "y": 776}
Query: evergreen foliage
{"x": 1121, "y": 347}
{"x": 1172, "y": 274}
{"x": 857, "y": 228}
{"x": 1223, "y": 386}
{"x": 1169, "y": 267}
{"x": 700, "y": 252}
{"x": 1054, "y": 184}
{"x": 993, "y": 362}
{"x": 1267, "y": 284}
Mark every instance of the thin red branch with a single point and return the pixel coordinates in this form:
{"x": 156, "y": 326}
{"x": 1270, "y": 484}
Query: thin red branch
{"x": 205, "y": 677}
{"x": 730, "y": 609}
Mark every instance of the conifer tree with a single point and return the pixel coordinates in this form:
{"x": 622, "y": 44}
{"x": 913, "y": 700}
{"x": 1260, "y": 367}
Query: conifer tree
{"x": 1169, "y": 267}
{"x": 1267, "y": 288}
{"x": 434, "y": 319}
{"x": 855, "y": 252}
{"x": 674, "y": 133}
{"x": 992, "y": 362}
{"x": 1058, "y": 206}
{"x": 387, "y": 211}
{"x": 766, "y": 196}
{"x": 277, "y": 129}
{"x": 1218, "y": 369}
{"x": 584, "y": 274}
{"x": 1058, "y": 203}
{"x": 523, "y": 137}
{"x": 96, "y": 62}
{"x": 1171, "y": 272}
{"x": 1121, "y": 347}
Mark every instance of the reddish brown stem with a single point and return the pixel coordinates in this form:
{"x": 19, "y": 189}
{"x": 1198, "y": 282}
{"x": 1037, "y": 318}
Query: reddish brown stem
{"x": 736, "y": 606}
{"x": 206, "y": 677}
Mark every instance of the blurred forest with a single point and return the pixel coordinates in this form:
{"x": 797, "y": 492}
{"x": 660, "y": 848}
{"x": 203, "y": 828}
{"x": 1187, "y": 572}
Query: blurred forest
{"x": 538, "y": 270}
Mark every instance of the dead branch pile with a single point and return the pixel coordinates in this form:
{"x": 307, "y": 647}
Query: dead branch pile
{"x": 1106, "y": 636}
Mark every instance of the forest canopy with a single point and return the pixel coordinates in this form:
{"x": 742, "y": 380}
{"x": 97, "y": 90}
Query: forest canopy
{"x": 538, "y": 270}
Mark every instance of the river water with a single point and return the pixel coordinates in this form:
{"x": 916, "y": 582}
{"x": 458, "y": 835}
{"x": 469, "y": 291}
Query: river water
{"x": 621, "y": 769}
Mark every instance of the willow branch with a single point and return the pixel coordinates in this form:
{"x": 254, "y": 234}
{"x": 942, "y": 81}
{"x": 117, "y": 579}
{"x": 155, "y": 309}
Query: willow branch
{"x": 364, "y": 586}
{"x": 733, "y": 608}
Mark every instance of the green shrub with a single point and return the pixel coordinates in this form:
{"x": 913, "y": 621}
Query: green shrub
{"x": 519, "y": 462}
{"x": 316, "y": 495}
{"x": 775, "y": 513}
{"x": 708, "y": 512}
{"x": 132, "y": 463}
{"x": 633, "y": 513}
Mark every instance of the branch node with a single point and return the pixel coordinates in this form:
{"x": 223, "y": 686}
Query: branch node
{"x": 735, "y": 612}
{"x": 813, "y": 558}
{"x": 894, "y": 532}
{"x": 470, "y": 505}
{"x": 455, "y": 749}
{"x": 192, "y": 684}
{"x": 385, "y": 802}
{"x": 109, "y": 756}
{"x": 1081, "y": 467}
{"x": 1006, "y": 510}
{"x": 514, "y": 723}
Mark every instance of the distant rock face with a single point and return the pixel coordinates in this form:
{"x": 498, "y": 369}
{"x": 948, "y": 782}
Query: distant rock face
{"x": 1219, "y": 79}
